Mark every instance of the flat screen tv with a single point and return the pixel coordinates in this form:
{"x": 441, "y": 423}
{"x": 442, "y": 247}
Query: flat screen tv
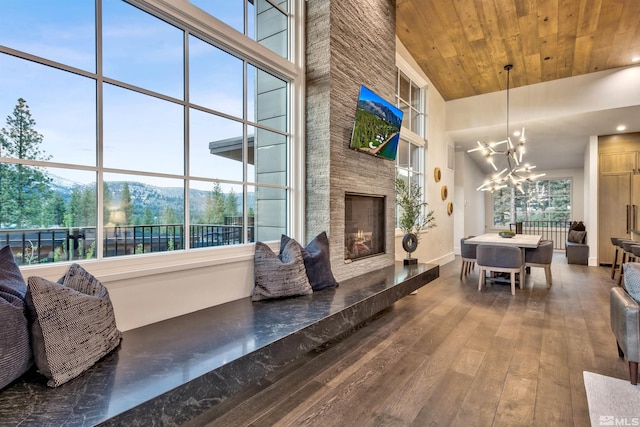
{"x": 376, "y": 130}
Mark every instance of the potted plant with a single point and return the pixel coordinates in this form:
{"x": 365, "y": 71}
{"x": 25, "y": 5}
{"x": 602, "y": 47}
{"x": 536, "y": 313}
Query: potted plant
{"x": 414, "y": 215}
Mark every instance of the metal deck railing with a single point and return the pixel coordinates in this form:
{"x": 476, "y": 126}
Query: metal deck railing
{"x": 550, "y": 230}
{"x": 37, "y": 246}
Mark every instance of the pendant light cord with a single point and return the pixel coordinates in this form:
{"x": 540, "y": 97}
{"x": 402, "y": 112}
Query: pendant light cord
{"x": 508, "y": 67}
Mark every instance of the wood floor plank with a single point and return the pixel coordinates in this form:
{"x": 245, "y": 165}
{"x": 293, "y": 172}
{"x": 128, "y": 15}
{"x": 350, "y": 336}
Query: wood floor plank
{"x": 443, "y": 404}
{"x": 517, "y": 402}
{"x": 451, "y": 355}
{"x": 367, "y": 383}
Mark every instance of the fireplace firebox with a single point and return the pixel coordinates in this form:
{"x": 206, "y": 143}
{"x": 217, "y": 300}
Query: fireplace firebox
{"x": 364, "y": 232}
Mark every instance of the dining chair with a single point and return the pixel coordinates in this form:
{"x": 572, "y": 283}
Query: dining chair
{"x": 615, "y": 265}
{"x": 540, "y": 257}
{"x": 499, "y": 259}
{"x": 468, "y": 254}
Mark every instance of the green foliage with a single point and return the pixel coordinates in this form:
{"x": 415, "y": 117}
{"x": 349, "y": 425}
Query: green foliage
{"x": 215, "y": 206}
{"x": 371, "y": 129}
{"x": 72, "y": 216}
{"x": 540, "y": 200}
{"x": 414, "y": 214}
{"x": 31, "y": 253}
{"x": 169, "y": 216}
{"x": 54, "y": 211}
{"x": 91, "y": 252}
{"x": 231, "y": 204}
{"x": 148, "y": 217}
{"x": 22, "y": 188}
{"x": 126, "y": 205}
{"x": 107, "y": 201}
{"x": 58, "y": 254}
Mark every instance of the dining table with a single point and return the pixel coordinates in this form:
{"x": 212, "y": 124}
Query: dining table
{"x": 522, "y": 241}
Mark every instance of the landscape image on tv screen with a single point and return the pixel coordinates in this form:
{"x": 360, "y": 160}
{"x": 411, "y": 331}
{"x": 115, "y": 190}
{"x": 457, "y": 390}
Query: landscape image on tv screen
{"x": 377, "y": 126}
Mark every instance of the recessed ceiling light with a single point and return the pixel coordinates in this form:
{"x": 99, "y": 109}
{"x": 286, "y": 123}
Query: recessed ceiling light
{"x": 635, "y": 59}
{"x": 620, "y": 128}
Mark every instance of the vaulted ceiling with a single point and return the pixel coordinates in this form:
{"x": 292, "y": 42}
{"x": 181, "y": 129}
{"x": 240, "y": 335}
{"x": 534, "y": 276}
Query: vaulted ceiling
{"x": 463, "y": 45}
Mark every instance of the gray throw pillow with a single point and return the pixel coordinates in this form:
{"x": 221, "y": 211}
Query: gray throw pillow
{"x": 15, "y": 347}
{"x": 632, "y": 279}
{"x": 72, "y": 324}
{"x": 576, "y": 236}
{"x": 317, "y": 261}
{"x": 279, "y": 276}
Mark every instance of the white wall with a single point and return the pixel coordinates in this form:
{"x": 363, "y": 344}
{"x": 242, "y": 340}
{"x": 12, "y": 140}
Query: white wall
{"x": 149, "y": 288}
{"x": 603, "y": 90}
{"x": 469, "y": 207}
{"x": 591, "y": 198}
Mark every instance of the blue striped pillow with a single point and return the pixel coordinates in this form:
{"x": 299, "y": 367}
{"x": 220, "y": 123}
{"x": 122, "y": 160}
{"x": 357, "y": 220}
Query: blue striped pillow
{"x": 632, "y": 279}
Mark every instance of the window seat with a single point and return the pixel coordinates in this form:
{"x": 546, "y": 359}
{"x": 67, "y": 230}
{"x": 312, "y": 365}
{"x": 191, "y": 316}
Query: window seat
{"x": 172, "y": 371}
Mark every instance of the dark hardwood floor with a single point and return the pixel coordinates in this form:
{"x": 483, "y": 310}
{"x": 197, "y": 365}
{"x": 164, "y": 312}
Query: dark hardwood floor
{"x": 451, "y": 355}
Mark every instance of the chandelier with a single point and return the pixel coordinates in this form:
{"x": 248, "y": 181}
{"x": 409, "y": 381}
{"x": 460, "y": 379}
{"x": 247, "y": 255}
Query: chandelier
{"x": 515, "y": 172}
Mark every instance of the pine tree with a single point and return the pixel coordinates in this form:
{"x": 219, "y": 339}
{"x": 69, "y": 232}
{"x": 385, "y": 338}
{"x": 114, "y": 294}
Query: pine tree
{"x": 54, "y": 211}
{"x": 214, "y": 210}
{"x": 147, "y": 219}
{"x": 106, "y": 203}
{"x": 72, "y": 217}
{"x": 126, "y": 205}
{"x": 87, "y": 208}
{"x": 22, "y": 188}
{"x": 169, "y": 216}
{"x": 231, "y": 205}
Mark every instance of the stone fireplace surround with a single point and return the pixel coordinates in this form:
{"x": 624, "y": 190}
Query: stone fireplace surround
{"x": 341, "y": 57}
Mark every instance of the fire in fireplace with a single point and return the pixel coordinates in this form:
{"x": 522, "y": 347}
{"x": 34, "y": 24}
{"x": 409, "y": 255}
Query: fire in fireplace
{"x": 364, "y": 233}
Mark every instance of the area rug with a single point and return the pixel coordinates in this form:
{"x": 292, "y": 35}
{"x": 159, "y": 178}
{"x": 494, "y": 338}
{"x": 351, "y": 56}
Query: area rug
{"x": 612, "y": 401}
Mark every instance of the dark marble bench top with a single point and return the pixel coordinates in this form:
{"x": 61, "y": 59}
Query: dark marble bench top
{"x": 171, "y": 371}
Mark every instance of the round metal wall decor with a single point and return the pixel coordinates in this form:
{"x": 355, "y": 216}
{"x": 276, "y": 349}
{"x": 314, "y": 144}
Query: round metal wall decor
{"x": 449, "y": 208}
{"x": 444, "y": 192}
{"x": 437, "y": 174}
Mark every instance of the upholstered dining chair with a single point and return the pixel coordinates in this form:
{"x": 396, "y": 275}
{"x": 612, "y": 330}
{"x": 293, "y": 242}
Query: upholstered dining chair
{"x": 499, "y": 259}
{"x": 468, "y": 254}
{"x": 540, "y": 257}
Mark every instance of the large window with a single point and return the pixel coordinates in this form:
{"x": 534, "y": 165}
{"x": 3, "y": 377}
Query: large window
{"x": 411, "y": 146}
{"x": 545, "y": 200}
{"x": 128, "y": 132}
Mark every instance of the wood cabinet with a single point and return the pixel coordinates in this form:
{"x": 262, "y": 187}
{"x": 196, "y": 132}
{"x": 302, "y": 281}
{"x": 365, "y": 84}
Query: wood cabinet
{"x": 619, "y": 162}
{"x": 618, "y": 190}
{"x": 614, "y": 199}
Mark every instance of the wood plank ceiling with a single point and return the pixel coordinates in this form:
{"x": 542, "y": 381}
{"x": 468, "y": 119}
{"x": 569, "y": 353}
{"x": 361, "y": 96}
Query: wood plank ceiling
{"x": 463, "y": 45}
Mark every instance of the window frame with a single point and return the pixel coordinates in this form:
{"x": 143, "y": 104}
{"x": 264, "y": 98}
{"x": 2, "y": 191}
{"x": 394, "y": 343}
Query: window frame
{"x": 549, "y": 179}
{"x": 194, "y": 21}
{"x": 409, "y": 136}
